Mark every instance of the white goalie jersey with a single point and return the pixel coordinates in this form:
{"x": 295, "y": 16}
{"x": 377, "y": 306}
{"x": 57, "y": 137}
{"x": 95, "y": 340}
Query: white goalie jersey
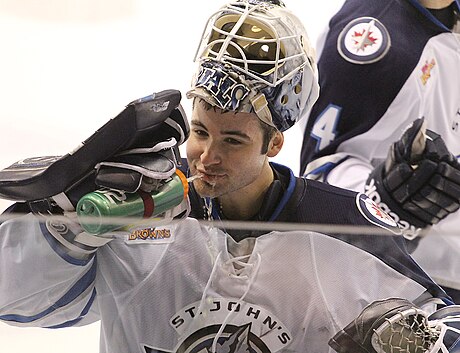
{"x": 188, "y": 288}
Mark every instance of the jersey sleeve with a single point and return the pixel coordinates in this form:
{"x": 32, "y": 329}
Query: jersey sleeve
{"x": 39, "y": 286}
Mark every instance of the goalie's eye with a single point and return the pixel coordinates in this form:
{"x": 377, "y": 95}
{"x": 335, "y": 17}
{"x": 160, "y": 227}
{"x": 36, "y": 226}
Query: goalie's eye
{"x": 200, "y": 132}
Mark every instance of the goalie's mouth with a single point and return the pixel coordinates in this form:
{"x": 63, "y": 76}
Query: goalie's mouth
{"x": 194, "y": 177}
{"x": 212, "y": 178}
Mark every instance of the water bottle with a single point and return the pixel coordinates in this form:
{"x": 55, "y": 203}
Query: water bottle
{"x": 94, "y": 208}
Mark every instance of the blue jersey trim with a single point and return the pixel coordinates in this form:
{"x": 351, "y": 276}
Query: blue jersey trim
{"x": 287, "y": 194}
{"x": 430, "y": 16}
{"x": 325, "y": 168}
{"x": 80, "y": 317}
{"x": 77, "y": 289}
{"x": 61, "y": 250}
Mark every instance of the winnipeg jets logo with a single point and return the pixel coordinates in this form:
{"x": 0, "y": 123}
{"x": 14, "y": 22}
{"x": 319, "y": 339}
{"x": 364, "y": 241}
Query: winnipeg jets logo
{"x": 159, "y": 106}
{"x": 364, "y": 40}
{"x": 375, "y": 214}
{"x": 378, "y": 212}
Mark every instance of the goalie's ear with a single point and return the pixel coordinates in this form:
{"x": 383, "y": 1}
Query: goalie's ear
{"x": 276, "y": 144}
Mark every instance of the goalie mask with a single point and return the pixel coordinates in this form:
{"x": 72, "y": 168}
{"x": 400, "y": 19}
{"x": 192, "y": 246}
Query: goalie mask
{"x": 255, "y": 56}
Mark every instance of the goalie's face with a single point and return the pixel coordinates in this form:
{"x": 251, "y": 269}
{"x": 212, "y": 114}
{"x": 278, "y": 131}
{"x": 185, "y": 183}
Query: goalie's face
{"x": 226, "y": 148}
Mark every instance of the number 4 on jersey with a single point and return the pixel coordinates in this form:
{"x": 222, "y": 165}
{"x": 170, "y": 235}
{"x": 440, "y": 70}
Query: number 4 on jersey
{"x": 324, "y": 129}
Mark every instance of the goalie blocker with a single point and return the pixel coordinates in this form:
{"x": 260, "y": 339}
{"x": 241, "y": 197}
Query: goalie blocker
{"x": 155, "y": 125}
{"x": 396, "y": 325}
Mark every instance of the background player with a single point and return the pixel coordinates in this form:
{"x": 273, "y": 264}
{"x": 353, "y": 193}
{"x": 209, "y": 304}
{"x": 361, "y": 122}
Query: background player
{"x": 384, "y": 64}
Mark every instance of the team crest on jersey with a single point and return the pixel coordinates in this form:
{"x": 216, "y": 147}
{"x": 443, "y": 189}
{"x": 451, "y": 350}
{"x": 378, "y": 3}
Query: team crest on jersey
{"x": 364, "y": 40}
{"x": 233, "y": 339}
{"x": 249, "y": 329}
{"x": 374, "y": 214}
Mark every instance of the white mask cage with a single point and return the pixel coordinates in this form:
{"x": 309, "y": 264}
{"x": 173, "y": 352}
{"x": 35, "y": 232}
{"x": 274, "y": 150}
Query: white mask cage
{"x": 255, "y": 56}
{"x": 265, "y": 42}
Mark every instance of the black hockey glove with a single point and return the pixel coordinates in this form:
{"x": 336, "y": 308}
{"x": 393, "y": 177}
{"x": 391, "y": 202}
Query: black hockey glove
{"x": 396, "y": 325}
{"x": 419, "y": 182}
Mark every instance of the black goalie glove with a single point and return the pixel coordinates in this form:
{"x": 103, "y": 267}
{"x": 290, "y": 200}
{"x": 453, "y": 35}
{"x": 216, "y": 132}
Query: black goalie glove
{"x": 396, "y": 325}
{"x": 150, "y": 128}
{"x": 419, "y": 182}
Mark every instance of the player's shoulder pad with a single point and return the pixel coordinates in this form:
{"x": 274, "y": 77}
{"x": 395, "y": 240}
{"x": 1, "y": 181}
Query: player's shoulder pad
{"x": 375, "y": 215}
{"x": 364, "y": 40}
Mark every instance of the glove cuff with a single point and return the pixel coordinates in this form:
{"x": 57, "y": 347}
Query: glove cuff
{"x": 375, "y": 189}
{"x": 69, "y": 240}
{"x": 357, "y": 336}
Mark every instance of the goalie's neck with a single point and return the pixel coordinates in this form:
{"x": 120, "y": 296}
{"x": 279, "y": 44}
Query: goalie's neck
{"x": 245, "y": 203}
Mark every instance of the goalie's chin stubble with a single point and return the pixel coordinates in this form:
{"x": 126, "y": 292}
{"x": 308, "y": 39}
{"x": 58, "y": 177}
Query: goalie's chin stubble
{"x": 206, "y": 189}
